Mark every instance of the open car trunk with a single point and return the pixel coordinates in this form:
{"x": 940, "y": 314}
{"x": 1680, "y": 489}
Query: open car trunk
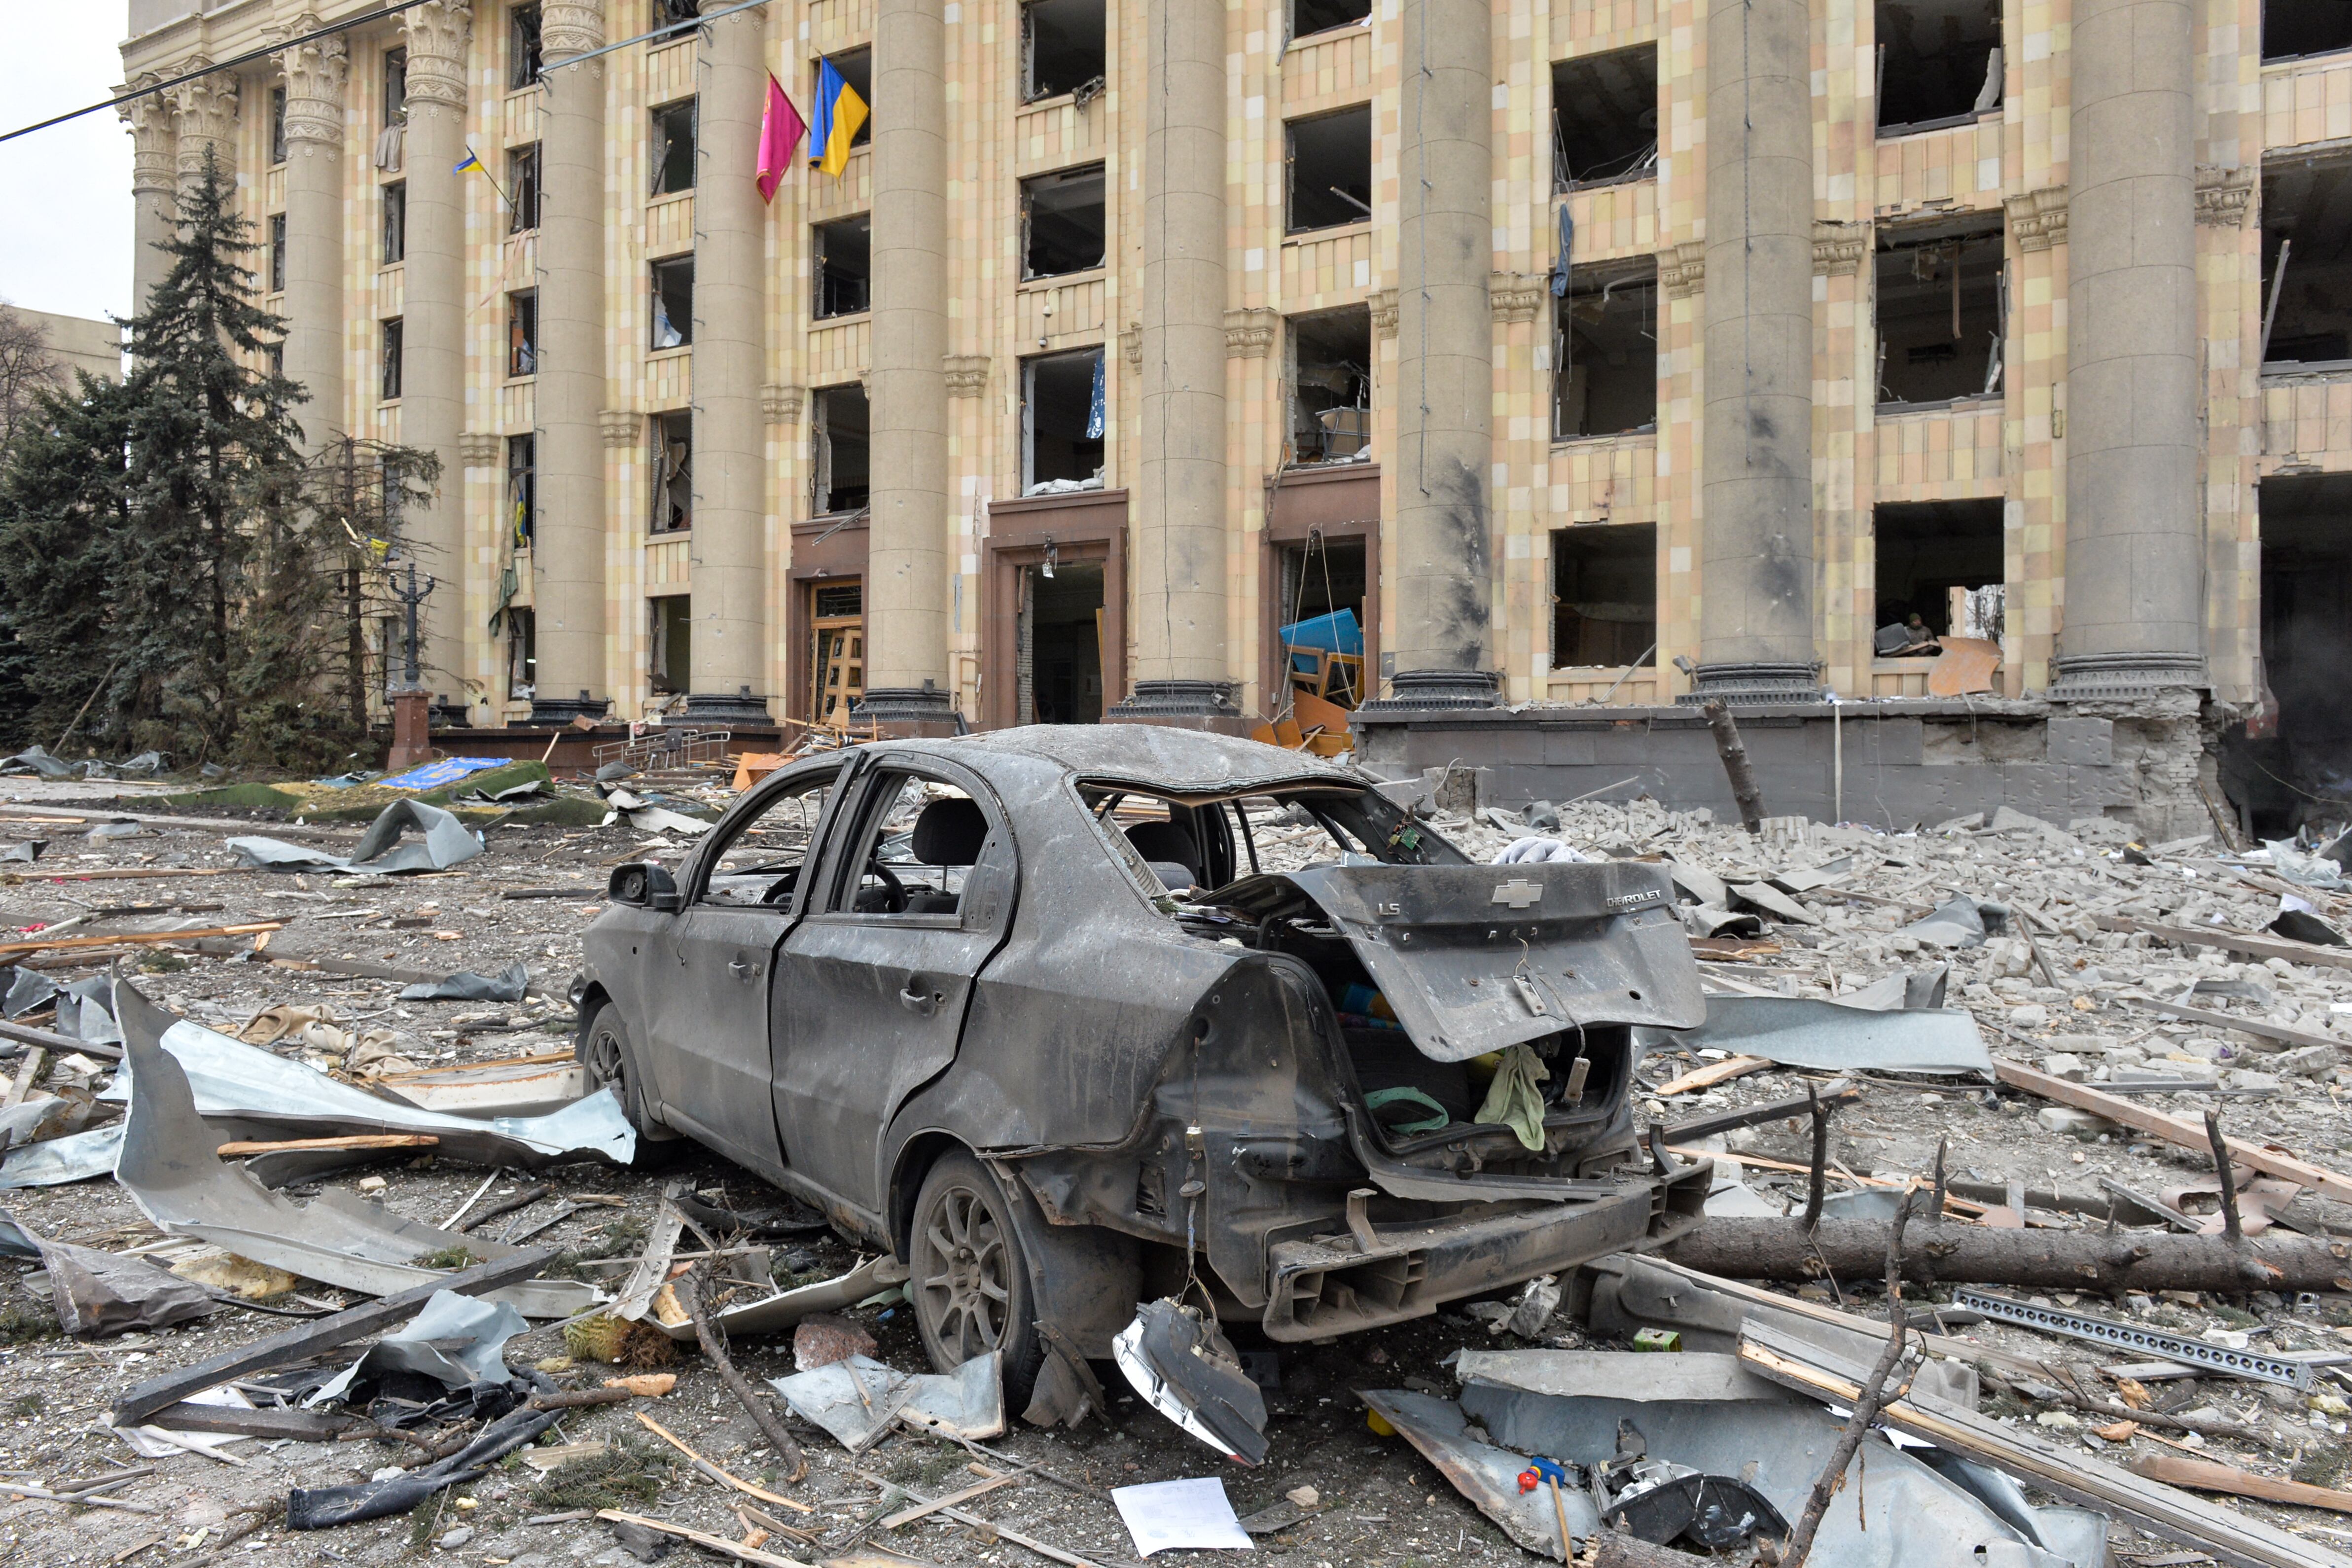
{"x": 1436, "y": 972}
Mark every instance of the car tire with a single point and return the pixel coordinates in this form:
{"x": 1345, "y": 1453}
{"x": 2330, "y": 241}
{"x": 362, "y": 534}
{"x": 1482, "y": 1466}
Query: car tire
{"x": 604, "y": 1050}
{"x": 968, "y": 1275}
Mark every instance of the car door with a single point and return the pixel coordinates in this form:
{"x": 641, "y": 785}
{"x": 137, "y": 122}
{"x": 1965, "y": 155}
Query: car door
{"x": 715, "y": 963}
{"x": 872, "y": 987}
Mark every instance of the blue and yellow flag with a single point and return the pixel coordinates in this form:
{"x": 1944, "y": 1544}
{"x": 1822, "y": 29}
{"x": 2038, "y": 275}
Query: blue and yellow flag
{"x": 470, "y": 160}
{"x": 839, "y": 112}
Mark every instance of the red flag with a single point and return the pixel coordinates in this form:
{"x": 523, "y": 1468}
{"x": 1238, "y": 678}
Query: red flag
{"x": 780, "y": 129}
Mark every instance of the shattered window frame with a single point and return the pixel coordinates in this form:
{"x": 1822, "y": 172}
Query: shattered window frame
{"x": 522, "y": 187}
{"x": 389, "y": 339}
{"x": 822, "y": 489}
{"x": 522, "y": 334}
{"x": 1581, "y": 81}
{"x": 522, "y": 653}
{"x": 522, "y": 485}
{"x": 1051, "y": 16}
{"x": 670, "y": 303}
{"x": 1976, "y": 250}
{"x": 867, "y": 837}
{"x": 672, "y": 132}
{"x": 1312, "y": 211}
{"x": 395, "y": 227}
{"x": 823, "y": 779}
{"x": 1984, "y": 83}
{"x": 524, "y": 56}
{"x": 2299, "y": 30}
{"x": 1312, "y": 428}
{"x": 1597, "y": 288}
{"x": 832, "y": 297}
{"x": 1041, "y": 196}
{"x": 395, "y": 87}
{"x": 277, "y": 126}
{"x": 671, "y": 501}
{"x": 1099, "y": 477}
{"x": 1311, "y": 18}
{"x": 277, "y": 252}
{"x": 1569, "y": 615}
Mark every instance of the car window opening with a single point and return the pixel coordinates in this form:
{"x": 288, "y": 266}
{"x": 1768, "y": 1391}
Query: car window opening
{"x": 914, "y": 850}
{"x": 761, "y": 867}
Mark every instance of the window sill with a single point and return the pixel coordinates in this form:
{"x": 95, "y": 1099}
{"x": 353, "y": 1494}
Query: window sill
{"x": 1326, "y": 231}
{"x": 664, "y": 535}
{"x": 837, "y": 317}
{"x": 1057, "y": 280}
{"x": 677, "y": 350}
{"x": 2316, "y": 369}
{"x": 384, "y": 267}
{"x": 526, "y": 378}
{"x": 1321, "y": 34}
{"x": 1946, "y": 405}
{"x": 1647, "y": 176}
{"x": 1946, "y": 122}
{"x": 663, "y": 198}
{"x": 1649, "y": 429}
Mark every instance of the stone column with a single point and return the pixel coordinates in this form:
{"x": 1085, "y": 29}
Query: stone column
{"x": 2133, "y": 583}
{"x": 432, "y": 373}
{"x": 154, "y": 177}
{"x": 1445, "y": 654}
{"x": 568, "y": 541}
{"x": 730, "y": 497}
{"x": 1182, "y": 674}
{"x": 315, "y": 73}
{"x": 1755, "y": 464}
{"x": 906, "y": 686}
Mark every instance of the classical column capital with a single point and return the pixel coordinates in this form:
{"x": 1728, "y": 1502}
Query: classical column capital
{"x": 1383, "y": 304}
{"x": 569, "y": 28}
{"x": 622, "y": 426}
{"x": 1682, "y": 272}
{"x": 2038, "y": 219}
{"x": 479, "y": 448}
{"x": 1838, "y": 247}
{"x": 1250, "y": 333}
{"x": 154, "y": 139}
{"x": 438, "y": 32}
{"x": 967, "y": 374}
{"x": 783, "y": 404}
{"x": 2223, "y": 194}
{"x": 1516, "y": 296}
{"x": 315, "y": 74}
{"x": 206, "y": 112}
{"x": 1130, "y": 346}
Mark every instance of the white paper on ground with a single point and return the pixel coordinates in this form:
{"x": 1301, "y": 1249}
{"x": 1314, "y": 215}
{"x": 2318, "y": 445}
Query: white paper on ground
{"x": 1189, "y": 1514}
{"x": 152, "y": 1442}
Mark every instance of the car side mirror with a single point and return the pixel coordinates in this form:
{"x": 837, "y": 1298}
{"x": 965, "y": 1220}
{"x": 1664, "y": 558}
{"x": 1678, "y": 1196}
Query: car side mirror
{"x": 644, "y": 884}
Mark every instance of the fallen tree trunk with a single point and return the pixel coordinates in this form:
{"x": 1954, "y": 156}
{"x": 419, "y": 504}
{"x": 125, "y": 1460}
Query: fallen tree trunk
{"x": 1973, "y": 1254}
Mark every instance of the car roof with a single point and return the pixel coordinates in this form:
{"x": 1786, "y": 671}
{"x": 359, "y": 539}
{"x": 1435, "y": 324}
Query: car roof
{"x": 1151, "y": 755}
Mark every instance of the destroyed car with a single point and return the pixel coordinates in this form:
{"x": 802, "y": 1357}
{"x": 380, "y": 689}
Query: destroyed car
{"x": 1032, "y": 1010}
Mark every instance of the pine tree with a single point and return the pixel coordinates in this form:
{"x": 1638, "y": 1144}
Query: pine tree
{"x": 213, "y": 585}
{"x": 63, "y": 509}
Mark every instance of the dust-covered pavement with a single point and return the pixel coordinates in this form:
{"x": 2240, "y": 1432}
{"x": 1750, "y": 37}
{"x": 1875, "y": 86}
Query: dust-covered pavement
{"x": 1376, "y": 1501}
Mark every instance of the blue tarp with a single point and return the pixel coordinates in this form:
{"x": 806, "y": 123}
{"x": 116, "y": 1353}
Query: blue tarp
{"x": 1335, "y": 632}
{"x": 448, "y": 771}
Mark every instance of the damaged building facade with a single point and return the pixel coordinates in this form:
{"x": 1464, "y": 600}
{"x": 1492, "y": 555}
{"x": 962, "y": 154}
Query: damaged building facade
{"x": 1598, "y": 357}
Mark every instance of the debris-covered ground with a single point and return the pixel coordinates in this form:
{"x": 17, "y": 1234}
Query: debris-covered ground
{"x": 2062, "y": 983}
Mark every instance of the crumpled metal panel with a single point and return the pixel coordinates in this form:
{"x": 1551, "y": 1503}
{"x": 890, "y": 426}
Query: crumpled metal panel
{"x": 231, "y": 1079}
{"x": 1154, "y": 756}
{"x": 76, "y": 1157}
{"x": 1805, "y": 1032}
{"x": 446, "y": 842}
{"x": 171, "y": 1170}
{"x": 454, "y": 1340}
{"x": 1476, "y": 957}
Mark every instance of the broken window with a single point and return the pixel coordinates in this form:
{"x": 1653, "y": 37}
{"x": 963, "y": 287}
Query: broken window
{"x": 838, "y": 474}
{"x": 1062, "y": 423}
{"x": 277, "y": 252}
{"x": 758, "y": 866}
{"x": 1605, "y": 354}
{"x": 1330, "y": 169}
{"x": 522, "y": 654}
{"x": 670, "y": 158}
{"x": 522, "y": 488}
{"x": 1604, "y": 118}
{"x": 2292, "y": 28}
{"x": 1331, "y": 376}
{"x": 2307, "y": 263}
{"x": 1323, "y": 582}
{"x": 395, "y": 87}
{"x": 856, "y": 68}
{"x": 522, "y": 188}
{"x": 388, "y": 388}
{"x": 1931, "y": 555}
{"x": 841, "y": 257}
{"x": 673, "y": 471}
{"x": 395, "y": 222}
{"x": 669, "y": 643}
{"x": 670, "y": 11}
{"x": 673, "y": 302}
{"x": 277, "y": 125}
{"x": 1062, "y": 219}
{"x": 522, "y": 332}
{"x": 2297, "y": 775}
{"x": 522, "y": 47}
{"x": 1061, "y": 48}
{"x": 1604, "y": 594}
{"x": 1939, "y": 62}
{"x": 1940, "y": 304}
{"x": 1308, "y": 16}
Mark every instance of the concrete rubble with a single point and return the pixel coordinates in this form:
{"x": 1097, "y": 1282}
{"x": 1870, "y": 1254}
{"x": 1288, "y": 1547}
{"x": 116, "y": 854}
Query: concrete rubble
{"x": 2053, "y": 1006}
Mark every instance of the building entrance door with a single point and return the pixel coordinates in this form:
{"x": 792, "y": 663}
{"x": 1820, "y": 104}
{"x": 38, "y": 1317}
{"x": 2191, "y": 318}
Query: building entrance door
{"x": 837, "y": 651}
{"x": 1061, "y": 643}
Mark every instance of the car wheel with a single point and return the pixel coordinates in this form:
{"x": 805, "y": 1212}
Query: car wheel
{"x": 605, "y": 1050}
{"x": 969, "y": 1277}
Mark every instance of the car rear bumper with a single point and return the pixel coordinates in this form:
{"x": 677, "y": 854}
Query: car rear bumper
{"x": 1335, "y": 1286}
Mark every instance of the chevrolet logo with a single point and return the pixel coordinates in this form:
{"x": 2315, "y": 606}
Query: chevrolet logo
{"x": 1519, "y": 893}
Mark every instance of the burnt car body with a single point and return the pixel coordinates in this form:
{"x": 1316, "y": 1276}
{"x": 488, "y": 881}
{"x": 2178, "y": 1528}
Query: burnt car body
{"x": 1024, "y": 1008}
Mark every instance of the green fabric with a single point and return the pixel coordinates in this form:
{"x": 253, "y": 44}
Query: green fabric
{"x": 1381, "y": 1098}
{"x": 1514, "y": 1100}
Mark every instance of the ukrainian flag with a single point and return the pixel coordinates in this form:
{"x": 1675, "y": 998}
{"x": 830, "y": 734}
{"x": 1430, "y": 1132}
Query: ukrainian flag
{"x": 839, "y": 112}
{"x": 470, "y": 160}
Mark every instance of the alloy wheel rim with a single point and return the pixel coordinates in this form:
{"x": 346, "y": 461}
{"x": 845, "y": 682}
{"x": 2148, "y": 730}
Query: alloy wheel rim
{"x": 966, "y": 1279}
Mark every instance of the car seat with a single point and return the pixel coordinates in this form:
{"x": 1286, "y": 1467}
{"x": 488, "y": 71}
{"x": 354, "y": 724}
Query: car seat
{"x": 1167, "y": 844}
{"x": 950, "y": 832}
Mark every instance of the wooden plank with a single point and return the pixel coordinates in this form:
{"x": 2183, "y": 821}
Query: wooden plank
{"x": 128, "y": 874}
{"x": 144, "y": 1399}
{"x": 719, "y": 1544}
{"x": 1699, "y": 1128}
{"x": 26, "y": 1076}
{"x": 2159, "y": 1510}
{"x": 1713, "y": 1073}
{"x": 138, "y": 939}
{"x": 2228, "y": 941}
{"x": 49, "y": 1040}
{"x": 2174, "y": 1131}
{"x": 2206, "y": 1476}
{"x": 2227, "y": 1021}
{"x": 907, "y": 1516}
{"x": 350, "y": 1140}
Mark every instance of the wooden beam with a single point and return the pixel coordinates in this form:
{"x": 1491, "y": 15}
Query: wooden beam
{"x": 2226, "y": 1021}
{"x": 144, "y": 1399}
{"x": 2259, "y": 946}
{"x": 719, "y": 1544}
{"x": 2206, "y": 1476}
{"x": 138, "y": 939}
{"x": 1713, "y": 1073}
{"x": 350, "y": 1140}
{"x": 2175, "y": 1130}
